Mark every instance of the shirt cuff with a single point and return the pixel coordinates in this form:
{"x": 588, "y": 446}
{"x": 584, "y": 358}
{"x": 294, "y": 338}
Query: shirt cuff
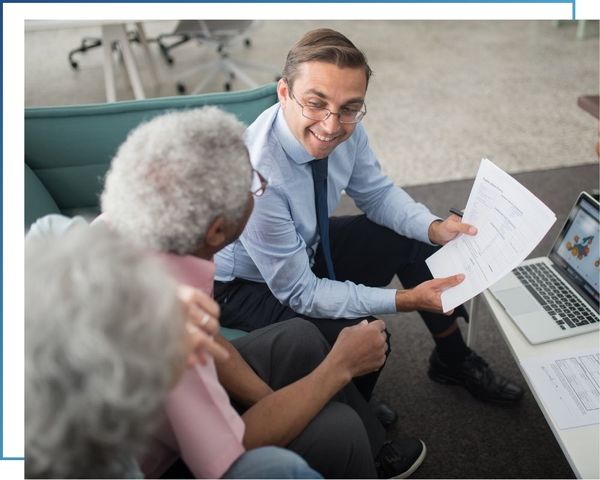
{"x": 425, "y": 220}
{"x": 383, "y": 300}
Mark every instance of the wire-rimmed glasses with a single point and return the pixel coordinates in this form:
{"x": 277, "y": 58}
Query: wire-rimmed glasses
{"x": 259, "y": 183}
{"x": 345, "y": 115}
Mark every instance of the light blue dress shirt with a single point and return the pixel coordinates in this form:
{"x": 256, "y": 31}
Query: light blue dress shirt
{"x": 279, "y": 242}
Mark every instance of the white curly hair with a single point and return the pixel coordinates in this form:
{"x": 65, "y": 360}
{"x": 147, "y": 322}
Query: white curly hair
{"x": 104, "y": 342}
{"x": 174, "y": 175}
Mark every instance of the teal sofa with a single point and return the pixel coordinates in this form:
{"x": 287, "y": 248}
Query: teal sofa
{"x": 69, "y": 149}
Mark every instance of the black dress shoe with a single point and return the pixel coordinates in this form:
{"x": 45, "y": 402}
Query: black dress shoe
{"x": 476, "y": 376}
{"x": 384, "y": 413}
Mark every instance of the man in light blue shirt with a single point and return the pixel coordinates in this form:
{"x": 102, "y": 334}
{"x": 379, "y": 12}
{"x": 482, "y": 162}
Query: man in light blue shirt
{"x": 282, "y": 266}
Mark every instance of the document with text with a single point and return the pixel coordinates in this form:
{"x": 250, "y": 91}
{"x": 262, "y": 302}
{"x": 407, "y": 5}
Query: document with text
{"x": 568, "y": 385}
{"x": 510, "y": 222}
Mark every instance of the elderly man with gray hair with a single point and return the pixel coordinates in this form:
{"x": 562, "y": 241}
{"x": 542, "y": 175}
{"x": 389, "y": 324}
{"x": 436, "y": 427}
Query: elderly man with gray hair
{"x": 182, "y": 185}
{"x": 104, "y": 343}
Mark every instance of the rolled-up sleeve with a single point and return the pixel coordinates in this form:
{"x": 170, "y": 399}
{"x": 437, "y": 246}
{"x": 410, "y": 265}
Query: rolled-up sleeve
{"x": 280, "y": 254}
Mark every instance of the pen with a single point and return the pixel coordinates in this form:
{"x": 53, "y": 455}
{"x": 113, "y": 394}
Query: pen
{"x": 456, "y": 211}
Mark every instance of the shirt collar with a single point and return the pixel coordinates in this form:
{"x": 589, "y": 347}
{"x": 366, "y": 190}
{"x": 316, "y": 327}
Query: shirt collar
{"x": 291, "y": 146}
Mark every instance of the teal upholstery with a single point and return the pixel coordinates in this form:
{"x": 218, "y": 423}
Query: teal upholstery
{"x": 70, "y": 148}
{"x": 38, "y": 201}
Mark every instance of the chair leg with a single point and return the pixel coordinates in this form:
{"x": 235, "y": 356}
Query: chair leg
{"x": 165, "y": 48}
{"x": 472, "y": 329}
{"x": 86, "y": 44}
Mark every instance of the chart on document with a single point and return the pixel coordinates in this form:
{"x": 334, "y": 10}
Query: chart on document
{"x": 510, "y": 221}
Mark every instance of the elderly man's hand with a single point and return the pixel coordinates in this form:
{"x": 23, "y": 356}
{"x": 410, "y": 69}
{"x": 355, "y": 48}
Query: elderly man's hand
{"x": 360, "y": 349}
{"x": 441, "y": 233}
{"x": 202, "y": 324}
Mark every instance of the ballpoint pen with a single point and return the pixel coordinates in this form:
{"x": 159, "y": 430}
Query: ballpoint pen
{"x": 456, "y": 211}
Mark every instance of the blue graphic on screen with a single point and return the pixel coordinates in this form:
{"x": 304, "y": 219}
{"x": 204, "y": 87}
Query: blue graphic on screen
{"x": 580, "y": 247}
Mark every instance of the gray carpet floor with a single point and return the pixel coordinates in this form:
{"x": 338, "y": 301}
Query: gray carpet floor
{"x": 467, "y": 438}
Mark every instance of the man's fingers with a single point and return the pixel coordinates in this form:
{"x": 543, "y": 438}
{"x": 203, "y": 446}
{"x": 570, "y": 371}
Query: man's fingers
{"x": 377, "y": 324}
{"x": 203, "y": 320}
{"x": 448, "y": 282}
{"x": 216, "y": 350}
{"x": 202, "y": 343}
{"x": 460, "y": 227}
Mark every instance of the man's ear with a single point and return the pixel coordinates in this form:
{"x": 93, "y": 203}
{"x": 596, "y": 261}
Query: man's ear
{"x": 216, "y": 234}
{"x": 282, "y": 91}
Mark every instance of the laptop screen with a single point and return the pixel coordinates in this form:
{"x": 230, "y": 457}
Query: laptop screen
{"x": 577, "y": 249}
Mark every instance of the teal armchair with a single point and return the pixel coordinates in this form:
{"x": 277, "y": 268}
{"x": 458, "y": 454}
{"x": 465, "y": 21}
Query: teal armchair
{"x": 69, "y": 149}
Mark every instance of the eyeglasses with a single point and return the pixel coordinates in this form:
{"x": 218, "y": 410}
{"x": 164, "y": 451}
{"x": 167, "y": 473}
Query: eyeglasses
{"x": 259, "y": 183}
{"x": 345, "y": 115}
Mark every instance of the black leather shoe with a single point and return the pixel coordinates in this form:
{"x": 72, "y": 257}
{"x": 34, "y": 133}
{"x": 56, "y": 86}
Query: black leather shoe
{"x": 476, "y": 376}
{"x": 384, "y": 413}
{"x": 400, "y": 458}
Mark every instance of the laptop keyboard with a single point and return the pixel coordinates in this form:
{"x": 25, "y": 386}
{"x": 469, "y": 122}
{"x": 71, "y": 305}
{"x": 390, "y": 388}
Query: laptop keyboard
{"x": 567, "y": 310}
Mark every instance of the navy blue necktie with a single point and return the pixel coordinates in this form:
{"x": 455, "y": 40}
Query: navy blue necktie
{"x": 319, "y": 171}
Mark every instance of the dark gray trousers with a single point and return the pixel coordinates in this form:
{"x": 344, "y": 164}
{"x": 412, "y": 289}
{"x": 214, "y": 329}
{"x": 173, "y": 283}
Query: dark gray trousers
{"x": 343, "y": 439}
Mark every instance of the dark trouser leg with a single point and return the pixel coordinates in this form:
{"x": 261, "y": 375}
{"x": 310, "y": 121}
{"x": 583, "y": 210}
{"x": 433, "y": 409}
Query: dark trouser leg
{"x": 335, "y": 444}
{"x": 281, "y": 354}
{"x": 367, "y": 253}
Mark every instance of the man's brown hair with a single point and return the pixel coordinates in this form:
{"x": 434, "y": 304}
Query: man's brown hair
{"x": 324, "y": 45}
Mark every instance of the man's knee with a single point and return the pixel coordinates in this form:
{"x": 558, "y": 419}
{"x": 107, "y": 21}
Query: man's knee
{"x": 302, "y": 343}
{"x": 283, "y": 352}
{"x": 336, "y": 444}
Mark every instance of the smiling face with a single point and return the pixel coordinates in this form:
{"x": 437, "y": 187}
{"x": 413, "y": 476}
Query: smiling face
{"x": 322, "y": 85}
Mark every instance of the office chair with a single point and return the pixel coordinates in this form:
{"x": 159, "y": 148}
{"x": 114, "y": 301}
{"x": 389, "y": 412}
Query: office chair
{"x": 220, "y": 34}
{"x": 88, "y": 43}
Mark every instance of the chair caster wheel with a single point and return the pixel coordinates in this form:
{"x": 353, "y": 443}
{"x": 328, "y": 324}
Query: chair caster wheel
{"x": 74, "y": 65}
{"x": 227, "y": 86}
{"x": 248, "y": 42}
{"x": 180, "y": 88}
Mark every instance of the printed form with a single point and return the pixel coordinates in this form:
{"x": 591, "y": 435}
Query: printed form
{"x": 568, "y": 385}
{"x": 510, "y": 221}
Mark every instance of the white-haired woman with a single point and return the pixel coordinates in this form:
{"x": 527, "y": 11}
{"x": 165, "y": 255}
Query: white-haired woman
{"x": 105, "y": 340}
{"x": 106, "y": 337}
{"x": 182, "y": 184}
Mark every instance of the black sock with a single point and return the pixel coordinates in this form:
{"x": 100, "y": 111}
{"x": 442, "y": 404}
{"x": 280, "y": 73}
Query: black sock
{"x": 452, "y": 348}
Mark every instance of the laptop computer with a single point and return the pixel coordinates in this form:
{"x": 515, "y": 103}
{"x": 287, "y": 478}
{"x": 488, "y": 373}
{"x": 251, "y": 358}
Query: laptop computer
{"x": 557, "y": 296}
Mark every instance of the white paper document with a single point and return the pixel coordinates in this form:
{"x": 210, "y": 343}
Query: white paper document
{"x": 568, "y": 385}
{"x": 510, "y": 221}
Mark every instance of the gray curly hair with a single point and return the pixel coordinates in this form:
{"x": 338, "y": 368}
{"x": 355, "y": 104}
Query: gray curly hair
{"x": 104, "y": 342}
{"x": 174, "y": 175}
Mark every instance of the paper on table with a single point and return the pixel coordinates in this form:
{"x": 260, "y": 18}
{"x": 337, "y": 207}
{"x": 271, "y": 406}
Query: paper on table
{"x": 568, "y": 385}
{"x": 510, "y": 221}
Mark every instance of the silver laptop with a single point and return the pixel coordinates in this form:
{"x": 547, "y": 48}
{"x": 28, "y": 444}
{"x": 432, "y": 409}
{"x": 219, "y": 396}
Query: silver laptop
{"x": 557, "y": 296}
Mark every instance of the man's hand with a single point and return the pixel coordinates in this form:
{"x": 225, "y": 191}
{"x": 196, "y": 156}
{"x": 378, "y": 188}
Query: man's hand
{"x": 427, "y": 295}
{"x": 360, "y": 349}
{"x": 441, "y": 233}
{"x": 202, "y": 324}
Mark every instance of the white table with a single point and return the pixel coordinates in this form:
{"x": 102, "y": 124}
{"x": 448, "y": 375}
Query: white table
{"x": 581, "y": 446}
{"x": 112, "y": 31}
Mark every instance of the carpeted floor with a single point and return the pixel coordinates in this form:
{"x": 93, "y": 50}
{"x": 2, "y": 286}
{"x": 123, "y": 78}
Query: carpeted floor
{"x": 466, "y": 438}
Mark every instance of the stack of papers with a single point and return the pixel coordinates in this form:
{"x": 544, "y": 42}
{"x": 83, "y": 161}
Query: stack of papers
{"x": 511, "y": 222}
